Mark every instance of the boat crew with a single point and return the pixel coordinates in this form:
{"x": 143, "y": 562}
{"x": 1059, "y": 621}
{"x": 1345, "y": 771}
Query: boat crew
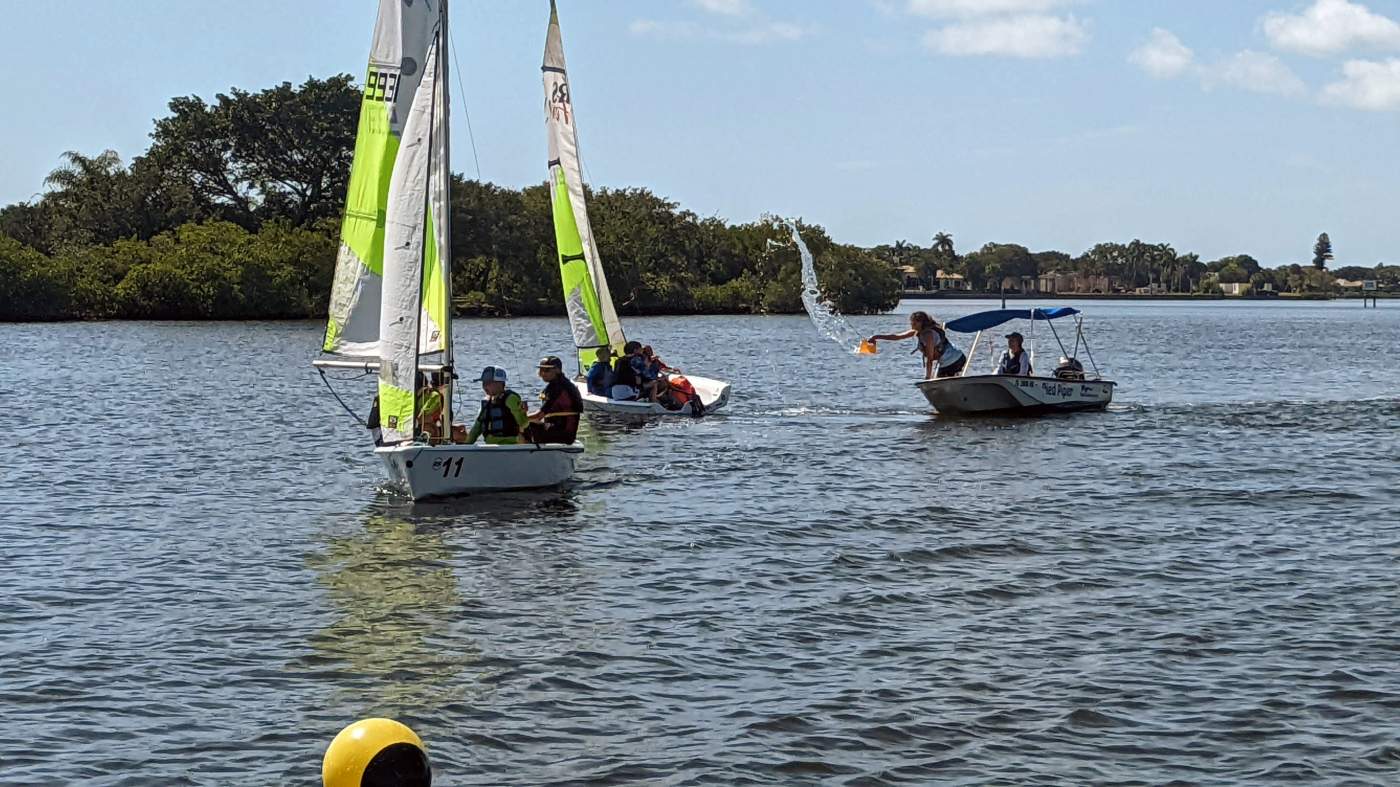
{"x": 560, "y": 408}
{"x": 600, "y": 374}
{"x": 627, "y": 378}
{"x": 1015, "y": 360}
{"x": 502, "y": 417}
{"x": 933, "y": 344}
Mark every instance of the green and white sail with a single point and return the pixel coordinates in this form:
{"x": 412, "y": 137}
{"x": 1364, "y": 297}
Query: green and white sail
{"x": 591, "y": 314}
{"x": 399, "y": 65}
{"x": 413, "y": 317}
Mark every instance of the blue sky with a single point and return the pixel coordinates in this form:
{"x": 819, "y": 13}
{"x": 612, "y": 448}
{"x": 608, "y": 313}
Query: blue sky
{"x": 1219, "y": 127}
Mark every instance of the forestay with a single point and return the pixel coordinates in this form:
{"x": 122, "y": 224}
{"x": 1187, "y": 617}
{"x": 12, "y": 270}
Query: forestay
{"x": 399, "y": 67}
{"x": 592, "y": 317}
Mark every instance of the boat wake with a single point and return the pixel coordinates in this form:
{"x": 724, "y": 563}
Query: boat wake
{"x": 828, "y": 321}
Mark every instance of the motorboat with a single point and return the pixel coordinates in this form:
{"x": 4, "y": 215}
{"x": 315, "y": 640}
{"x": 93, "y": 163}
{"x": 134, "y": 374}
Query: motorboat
{"x": 1068, "y": 388}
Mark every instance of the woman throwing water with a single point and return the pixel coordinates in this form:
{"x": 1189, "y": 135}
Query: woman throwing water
{"x": 933, "y": 343}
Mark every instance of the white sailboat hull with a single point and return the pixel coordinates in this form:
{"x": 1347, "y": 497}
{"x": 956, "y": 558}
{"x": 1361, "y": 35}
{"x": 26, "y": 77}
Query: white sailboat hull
{"x": 996, "y": 394}
{"x": 445, "y": 470}
{"x": 713, "y": 394}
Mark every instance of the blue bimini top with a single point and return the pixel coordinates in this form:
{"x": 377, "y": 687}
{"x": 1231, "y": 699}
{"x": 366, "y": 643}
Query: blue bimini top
{"x": 981, "y": 321}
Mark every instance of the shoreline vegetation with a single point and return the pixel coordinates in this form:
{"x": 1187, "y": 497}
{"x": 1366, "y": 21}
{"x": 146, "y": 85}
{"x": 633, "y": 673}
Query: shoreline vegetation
{"x": 234, "y": 212}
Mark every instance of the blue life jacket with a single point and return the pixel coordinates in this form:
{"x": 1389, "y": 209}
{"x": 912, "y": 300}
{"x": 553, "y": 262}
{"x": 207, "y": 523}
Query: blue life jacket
{"x": 600, "y": 377}
{"x": 496, "y": 419}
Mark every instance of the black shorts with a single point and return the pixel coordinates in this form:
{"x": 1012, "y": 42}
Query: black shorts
{"x": 952, "y": 370}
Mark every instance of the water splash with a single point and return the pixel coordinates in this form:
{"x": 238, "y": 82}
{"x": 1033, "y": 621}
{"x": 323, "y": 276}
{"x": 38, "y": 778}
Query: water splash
{"x": 828, "y": 321}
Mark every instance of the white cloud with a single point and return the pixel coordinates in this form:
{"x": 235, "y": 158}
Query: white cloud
{"x": 661, "y": 29}
{"x": 942, "y": 9}
{"x": 761, "y": 32}
{"x": 1329, "y": 27}
{"x": 1366, "y": 84}
{"x": 1163, "y": 56}
{"x": 768, "y": 31}
{"x": 726, "y": 7}
{"x": 1257, "y": 72}
{"x": 1029, "y": 36}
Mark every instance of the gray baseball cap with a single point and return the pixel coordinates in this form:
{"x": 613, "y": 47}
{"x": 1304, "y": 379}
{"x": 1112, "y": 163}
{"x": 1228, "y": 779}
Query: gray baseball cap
{"x": 492, "y": 373}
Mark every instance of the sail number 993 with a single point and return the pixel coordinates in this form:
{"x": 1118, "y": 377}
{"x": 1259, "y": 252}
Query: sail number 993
{"x": 381, "y": 85}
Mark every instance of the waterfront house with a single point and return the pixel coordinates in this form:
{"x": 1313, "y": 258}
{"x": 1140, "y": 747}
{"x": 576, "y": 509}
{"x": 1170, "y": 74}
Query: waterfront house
{"x": 951, "y": 281}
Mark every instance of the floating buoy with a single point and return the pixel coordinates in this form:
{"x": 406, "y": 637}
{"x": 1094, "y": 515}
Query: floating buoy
{"x": 866, "y": 348}
{"x": 376, "y": 753}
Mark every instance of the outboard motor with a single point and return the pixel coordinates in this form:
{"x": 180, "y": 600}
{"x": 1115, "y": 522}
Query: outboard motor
{"x": 1069, "y": 369}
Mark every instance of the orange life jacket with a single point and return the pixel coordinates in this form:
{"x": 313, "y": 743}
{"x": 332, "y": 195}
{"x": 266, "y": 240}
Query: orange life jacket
{"x": 681, "y": 390}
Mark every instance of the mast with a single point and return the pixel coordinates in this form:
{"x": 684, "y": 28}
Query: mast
{"x": 444, "y": 174}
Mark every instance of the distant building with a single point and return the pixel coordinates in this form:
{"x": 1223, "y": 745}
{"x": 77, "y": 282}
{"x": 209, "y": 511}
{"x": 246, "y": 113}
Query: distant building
{"x": 1021, "y": 284}
{"x": 1236, "y": 289}
{"x": 912, "y": 279}
{"x": 951, "y": 281}
{"x": 1067, "y": 283}
{"x": 1351, "y": 284}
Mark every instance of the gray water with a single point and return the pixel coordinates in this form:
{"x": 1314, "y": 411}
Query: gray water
{"x": 204, "y": 578}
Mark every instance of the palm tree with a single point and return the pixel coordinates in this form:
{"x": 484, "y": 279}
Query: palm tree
{"x": 943, "y": 245}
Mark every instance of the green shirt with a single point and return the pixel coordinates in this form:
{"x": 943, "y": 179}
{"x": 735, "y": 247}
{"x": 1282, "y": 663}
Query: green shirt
{"x": 516, "y": 408}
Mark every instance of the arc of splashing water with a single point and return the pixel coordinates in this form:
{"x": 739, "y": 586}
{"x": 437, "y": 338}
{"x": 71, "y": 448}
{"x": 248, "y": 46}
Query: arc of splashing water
{"x": 827, "y": 320}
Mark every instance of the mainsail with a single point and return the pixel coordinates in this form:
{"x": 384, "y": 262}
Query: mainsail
{"x": 591, "y": 314}
{"x": 400, "y": 63}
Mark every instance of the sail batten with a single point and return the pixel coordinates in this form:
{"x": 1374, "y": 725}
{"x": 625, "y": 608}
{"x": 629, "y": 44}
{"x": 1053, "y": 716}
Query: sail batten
{"x": 592, "y": 317}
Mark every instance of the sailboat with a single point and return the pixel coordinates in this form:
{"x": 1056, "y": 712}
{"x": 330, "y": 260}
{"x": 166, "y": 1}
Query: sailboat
{"x": 390, "y": 307}
{"x": 592, "y": 317}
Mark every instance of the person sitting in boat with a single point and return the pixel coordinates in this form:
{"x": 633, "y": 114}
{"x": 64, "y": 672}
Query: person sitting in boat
{"x": 600, "y": 374}
{"x": 627, "y": 373}
{"x": 655, "y": 366}
{"x": 933, "y": 343}
{"x": 502, "y": 418}
{"x": 560, "y": 406}
{"x": 430, "y": 406}
{"x": 651, "y": 371}
{"x": 1015, "y": 360}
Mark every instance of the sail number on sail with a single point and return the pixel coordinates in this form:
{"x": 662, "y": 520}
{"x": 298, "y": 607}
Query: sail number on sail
{"x": 381, "y": 85}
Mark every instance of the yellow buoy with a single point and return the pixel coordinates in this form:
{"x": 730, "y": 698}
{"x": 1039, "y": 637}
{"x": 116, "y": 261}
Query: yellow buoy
{"x": 376, "y": 753}
{"x": 866, "y": 348}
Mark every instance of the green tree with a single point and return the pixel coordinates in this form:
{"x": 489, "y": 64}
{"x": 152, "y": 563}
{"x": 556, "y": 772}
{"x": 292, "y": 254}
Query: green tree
{"x": 1322, "y": 251}
{"x": 284, "y": 151}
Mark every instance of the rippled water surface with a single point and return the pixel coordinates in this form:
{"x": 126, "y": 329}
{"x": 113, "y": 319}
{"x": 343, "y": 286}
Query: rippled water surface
{"x": 203, "y": 578}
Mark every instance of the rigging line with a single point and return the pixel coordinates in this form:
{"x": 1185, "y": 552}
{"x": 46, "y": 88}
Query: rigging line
{"x": 456, "y": 67}
{"x": 357, "y": 418}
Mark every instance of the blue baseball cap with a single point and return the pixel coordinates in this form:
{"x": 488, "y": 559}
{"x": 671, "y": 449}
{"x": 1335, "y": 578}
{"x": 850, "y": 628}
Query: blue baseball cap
{"x": 492, "y": 373}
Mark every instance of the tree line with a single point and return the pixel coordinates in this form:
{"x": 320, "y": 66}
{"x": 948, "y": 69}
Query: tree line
{"x": 234, "y": 213}
{"x": 1124, "y": 266}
